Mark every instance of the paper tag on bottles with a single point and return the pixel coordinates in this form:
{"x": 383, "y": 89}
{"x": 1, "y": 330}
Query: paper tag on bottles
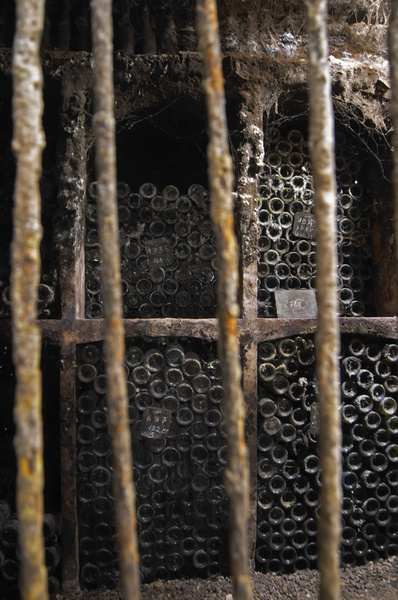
{"x": 314, "y": 418}
{"x": 304, "y": 226}
{"x": 159, "y": 252}
{"x": 155, "y": 423}
{"x": 296, "y": 303}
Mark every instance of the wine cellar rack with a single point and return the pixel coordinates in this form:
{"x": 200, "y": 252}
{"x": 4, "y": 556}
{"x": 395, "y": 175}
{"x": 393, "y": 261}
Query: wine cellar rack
{"x": 288, "y": 465}
{"x": 161, "y": 146}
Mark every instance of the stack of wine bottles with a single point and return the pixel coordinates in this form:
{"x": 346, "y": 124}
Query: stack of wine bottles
{"x": 286, "y": 251}
{"x": 10, "y": 553}
{"x": 168, "y": 253}
{"x": 289, "y": 473}
{"x": 181, "y": 502}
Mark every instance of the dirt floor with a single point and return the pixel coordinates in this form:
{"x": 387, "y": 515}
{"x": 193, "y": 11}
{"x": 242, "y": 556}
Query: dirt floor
{"x": 376, "y": 581}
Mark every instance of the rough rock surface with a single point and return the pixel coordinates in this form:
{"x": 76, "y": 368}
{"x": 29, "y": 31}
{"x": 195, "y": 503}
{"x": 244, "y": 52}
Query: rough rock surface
{"x": 375, "y": 581}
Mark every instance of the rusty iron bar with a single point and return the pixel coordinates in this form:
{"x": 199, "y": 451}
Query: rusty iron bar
{"x": 105, "y": 162}
{"x": 393, "y": 55}
{"x": 236, "y": 475}
{"x": 84, "y": 331}
{"x": 27, "y": 144}
{"x": 327, "y": 342}
{"x": 69, "y": 241}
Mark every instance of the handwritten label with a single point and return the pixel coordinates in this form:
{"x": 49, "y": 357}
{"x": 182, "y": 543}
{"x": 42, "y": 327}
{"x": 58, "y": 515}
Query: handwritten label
{"x": 159, "y": 252}
{"x": 155, "y": 423}
{"x": 304, "y": 226}
{"x": 296, "y": 303}
{"x": 314, "y": 418}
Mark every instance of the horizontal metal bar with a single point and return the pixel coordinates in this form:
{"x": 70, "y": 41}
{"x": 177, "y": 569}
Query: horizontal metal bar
{"x": 251, "y": 332}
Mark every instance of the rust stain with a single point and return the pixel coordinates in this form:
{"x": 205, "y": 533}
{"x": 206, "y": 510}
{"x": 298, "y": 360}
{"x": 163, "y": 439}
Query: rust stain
{"x": 105, "y": 162}
{"x": 221, "y": 180}
{"x": 26, "y": 466}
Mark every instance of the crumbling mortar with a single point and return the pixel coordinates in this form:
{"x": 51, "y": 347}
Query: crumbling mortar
{"x": 251, "y": 156}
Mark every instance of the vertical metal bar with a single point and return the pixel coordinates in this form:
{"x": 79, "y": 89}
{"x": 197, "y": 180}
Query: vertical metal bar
{"x": 105, "y": 161}
{"x": 69, "y": 533}
{"x": 249, "y": 383}
{"x": 69, "y": 239}
{"x": 27, "y": 143}
{"x": 321, "y": 142}
{"x": 252, "y": 151}
{"x": 64, "y": 26}
{"x": 393, "y": 52}
{"x": 220, "y": 179}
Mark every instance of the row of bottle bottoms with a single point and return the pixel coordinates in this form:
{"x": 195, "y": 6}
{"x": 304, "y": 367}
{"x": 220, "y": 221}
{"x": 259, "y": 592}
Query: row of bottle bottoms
{"x": 289, "y": 474}
{"x": 168, "y": 258}
{"x": 287, "y": 257}
{"x": 181, "y": 503}
{"x": 10, "y": 553}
